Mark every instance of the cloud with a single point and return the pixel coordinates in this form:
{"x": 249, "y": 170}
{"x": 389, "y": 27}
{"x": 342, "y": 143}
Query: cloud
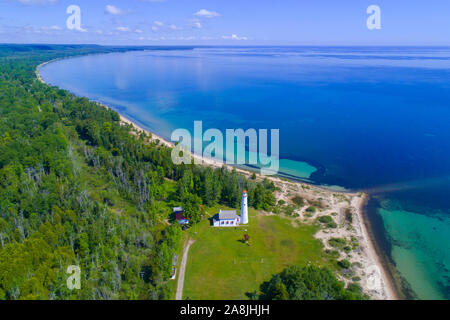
{"x": 113, "y": 10}
{"x": 123, "y": 29}
{"x": 206, "y": 14}
{"x": 234, "y": 37}
{"x": 138, "y": 31}
{"x": 196, "y": 24}
{"x": 157, "y": 25}
{"x": 51, "y": 28}
{"x": 174, "y": 27}
{"x": 187, "y": 38}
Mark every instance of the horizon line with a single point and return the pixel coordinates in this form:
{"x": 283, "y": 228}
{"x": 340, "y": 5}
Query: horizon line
{"x": 223, "y": 45}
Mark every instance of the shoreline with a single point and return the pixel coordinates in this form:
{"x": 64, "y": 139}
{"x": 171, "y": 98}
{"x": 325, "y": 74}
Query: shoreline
{"x": 385, "y": 261}
{"x": 38, "y": 75}
{"x": 381, "y": 257}
{"x": 357, "y": 201}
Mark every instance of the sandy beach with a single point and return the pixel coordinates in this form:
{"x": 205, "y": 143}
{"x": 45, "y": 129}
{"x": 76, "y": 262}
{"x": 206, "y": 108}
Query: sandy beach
{"x": 366, "y": 264}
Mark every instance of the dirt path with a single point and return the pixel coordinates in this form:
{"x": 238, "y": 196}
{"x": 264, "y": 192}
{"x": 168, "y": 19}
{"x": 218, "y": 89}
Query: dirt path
{"x": 180, "y": 285}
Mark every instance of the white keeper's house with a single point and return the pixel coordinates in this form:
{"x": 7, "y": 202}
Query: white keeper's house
{"x": 230, "y": 218}
{"x": 226, "y": 219}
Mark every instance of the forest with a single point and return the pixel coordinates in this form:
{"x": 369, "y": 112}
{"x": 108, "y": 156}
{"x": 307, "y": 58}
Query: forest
{"x": 78, "y": 187}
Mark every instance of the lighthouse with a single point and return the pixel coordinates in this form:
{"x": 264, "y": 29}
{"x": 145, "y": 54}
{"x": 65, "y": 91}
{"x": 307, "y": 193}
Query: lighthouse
{"x": 244, "y": 208}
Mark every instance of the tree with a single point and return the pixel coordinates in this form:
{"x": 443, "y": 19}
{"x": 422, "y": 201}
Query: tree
{"x": 307, "y": 283}
{"x": 192, "y": 207}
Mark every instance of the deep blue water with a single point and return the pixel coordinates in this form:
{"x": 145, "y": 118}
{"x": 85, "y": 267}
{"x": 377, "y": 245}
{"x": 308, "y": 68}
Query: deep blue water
{"x": 375, "y": 119}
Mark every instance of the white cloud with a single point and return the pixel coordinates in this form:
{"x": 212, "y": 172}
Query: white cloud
{"x": 113, "y": 10}
{"x": 196, "y": 24}
{"x": 234, "y": 37}
{"x": 206, "y": 14}
{"x": 51, "y": 28}
{"x": 155, "y": 28}
{"x": 174, "y": 27}
{"x": 158, "y": 23}
{"x": 123, "y": 29}
{"x": 187, "y": 38}
{"x": 138, "y": 31}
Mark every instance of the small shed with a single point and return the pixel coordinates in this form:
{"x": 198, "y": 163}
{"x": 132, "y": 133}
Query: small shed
{"x": 181, "y": 219}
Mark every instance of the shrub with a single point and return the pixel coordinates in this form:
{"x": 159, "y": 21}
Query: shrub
{"x": 298, "y": 200}
{"x": 289, "y": 210}
{"x": 311, "y": 209}
{"x": 333, "y": 253}
{"x": 325, "y": 219}
{"x": 348, "y": 216}
{"x": 345, "y": 264}
{"x": 332, "y": 225}
{"x": 355, "y": 288}
{"x": 337, "y": 242}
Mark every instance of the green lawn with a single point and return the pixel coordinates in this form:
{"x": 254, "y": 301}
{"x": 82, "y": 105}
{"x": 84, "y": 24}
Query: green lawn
{"x": 220, "y": 266}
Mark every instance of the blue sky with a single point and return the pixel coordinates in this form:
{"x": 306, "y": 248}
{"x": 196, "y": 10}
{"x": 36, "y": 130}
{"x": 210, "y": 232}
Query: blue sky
{"x": 228, "y": 22}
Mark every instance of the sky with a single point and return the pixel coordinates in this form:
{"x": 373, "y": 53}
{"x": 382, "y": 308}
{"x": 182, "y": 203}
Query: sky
{"x": 226, "y": 22}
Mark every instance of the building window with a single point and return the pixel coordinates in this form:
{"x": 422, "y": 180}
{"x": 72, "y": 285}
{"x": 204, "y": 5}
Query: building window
{"x": 222, "y": 222}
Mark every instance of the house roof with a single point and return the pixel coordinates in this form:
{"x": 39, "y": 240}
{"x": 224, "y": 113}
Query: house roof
{"x": 227, "y": 215}
{"x": 177, "y": 209}
{"x": 179, "y": 216}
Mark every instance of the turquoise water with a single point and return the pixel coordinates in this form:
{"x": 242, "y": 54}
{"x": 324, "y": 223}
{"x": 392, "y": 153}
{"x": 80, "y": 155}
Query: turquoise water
{"x": 361, "y": 118}
{"x": 419, "y": 243}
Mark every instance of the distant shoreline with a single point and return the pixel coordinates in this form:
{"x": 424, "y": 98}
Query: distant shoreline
{"x": 389, "y": 288}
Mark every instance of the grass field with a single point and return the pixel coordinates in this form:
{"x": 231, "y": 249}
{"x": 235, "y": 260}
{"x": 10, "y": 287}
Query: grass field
{"x": 220, "y": 266}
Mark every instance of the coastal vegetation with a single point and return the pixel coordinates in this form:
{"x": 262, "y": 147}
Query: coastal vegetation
{"x": 308, "y": 283}
{"x": 78, "y": 187}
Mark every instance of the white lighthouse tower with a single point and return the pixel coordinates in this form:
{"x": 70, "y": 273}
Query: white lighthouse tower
{"x": 244, "y": 208}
